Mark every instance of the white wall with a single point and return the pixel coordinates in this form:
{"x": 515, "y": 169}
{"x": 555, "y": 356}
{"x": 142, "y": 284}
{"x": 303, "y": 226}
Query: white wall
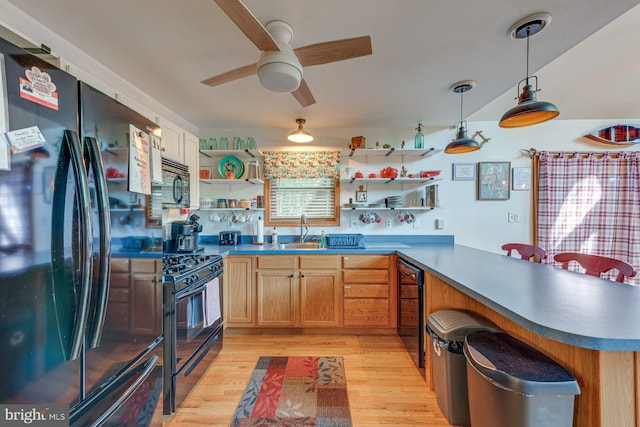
{"x": 481, "y": 224}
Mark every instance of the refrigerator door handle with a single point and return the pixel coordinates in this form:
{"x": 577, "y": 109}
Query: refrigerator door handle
{"x": 148, "y": 369}
{"x": 93, "y": 160}
{"x": 71, "y": 155}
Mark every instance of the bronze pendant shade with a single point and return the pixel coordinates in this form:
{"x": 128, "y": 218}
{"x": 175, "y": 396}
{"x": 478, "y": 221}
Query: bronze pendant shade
{"x": 529, "y": 110}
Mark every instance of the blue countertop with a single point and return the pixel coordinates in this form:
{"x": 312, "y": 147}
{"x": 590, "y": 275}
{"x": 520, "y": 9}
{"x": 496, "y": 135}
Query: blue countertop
{"x": 568, "y": 307}
{"x": 572, "y": 308}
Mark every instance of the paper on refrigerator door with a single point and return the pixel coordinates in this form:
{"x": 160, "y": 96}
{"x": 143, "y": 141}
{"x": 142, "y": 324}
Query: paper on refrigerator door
{"x": 4, "y": 118}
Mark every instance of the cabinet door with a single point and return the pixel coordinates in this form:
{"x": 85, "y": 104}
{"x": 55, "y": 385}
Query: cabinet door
{"x": 192, "y": 159}
{"x": 238, "y": 290}
{"x": 146, "y": 298}
{"x": 277, "y": 298}
{"x": 172, "y": 147}
{"x": 320, "y": 298}
{"x": 146, "y": 305}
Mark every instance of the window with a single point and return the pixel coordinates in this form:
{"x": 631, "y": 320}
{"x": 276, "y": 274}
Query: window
{"x": 288, "y": 198}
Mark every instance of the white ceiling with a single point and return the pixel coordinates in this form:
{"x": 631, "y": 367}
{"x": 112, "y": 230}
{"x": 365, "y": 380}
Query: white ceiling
{"x": 420, "y": 48}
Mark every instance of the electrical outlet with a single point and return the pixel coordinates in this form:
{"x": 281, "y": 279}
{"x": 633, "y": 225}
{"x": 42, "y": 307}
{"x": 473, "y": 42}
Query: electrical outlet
{"x": 355, "y": 223}
{"x": 416, "y": 223}
{"x": 440, "y": 224}
{"x": 387, "y": 223}
{"x": 513, "y": 217}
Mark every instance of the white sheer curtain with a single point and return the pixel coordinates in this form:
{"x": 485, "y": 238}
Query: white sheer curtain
{"x": 590, "y": 203}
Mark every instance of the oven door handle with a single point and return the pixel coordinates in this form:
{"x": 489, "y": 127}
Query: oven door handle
{"x": 200, "y": 288}
{"x": 196, "y": 290}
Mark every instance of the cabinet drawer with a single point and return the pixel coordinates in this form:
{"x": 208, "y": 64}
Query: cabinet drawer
{"x": 120, "y": 265}
{"x": 119, "y": 280}
{"x": 366, "y": 312}
{"x": 380, "y": 262}
{"x": 277, "y": 261}
{"x": 366, "y": 291}
{"x": 119, "y": 295}
{"x": 321, "y": 261}
{"x": 370, "y": 276}
{"x": 143, "y": 266}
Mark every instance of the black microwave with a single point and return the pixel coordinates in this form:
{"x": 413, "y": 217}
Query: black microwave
{"x": 175, "y": 184}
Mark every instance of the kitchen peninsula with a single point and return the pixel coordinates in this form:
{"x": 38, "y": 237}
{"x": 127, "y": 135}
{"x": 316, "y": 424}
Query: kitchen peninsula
{"x": 586, "y": 324}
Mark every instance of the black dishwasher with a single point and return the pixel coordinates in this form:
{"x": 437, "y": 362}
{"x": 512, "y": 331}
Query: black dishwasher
{"x": 411, "y": 324}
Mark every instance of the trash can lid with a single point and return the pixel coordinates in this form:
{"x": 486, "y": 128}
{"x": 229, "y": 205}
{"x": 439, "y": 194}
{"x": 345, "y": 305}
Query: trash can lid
{"x": 454, "y": 325}
{"x": 515, "y": 365}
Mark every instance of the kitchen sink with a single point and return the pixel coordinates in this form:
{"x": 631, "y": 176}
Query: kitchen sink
{"x": 298, "y": 246}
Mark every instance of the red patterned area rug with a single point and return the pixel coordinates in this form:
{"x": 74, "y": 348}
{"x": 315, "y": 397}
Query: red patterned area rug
{"x": 295, "y": 391}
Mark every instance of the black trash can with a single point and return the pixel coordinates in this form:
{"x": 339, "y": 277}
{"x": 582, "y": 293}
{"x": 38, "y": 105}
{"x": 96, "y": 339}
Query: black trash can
{"x": 447, "y": 329}
{"x": 512, "y": 384}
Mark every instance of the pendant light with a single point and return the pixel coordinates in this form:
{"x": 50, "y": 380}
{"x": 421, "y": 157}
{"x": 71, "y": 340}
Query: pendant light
{"x": 462, "y": 143}
{"x": 300, "y": 135}
{"x": 529, "y": 110}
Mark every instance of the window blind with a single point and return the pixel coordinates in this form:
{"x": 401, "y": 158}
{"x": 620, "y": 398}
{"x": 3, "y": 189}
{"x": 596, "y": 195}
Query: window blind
{"x": 292, "y": 197}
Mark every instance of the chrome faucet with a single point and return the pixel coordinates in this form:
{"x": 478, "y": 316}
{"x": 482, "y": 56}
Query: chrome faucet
{"x": 304, "y": 230}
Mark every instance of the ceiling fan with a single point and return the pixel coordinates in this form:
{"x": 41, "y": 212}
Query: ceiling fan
{"x": 280, "y": 66}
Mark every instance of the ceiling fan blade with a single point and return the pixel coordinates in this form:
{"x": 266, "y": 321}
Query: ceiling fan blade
{"x": 303, "y": 94}
{"x": 248, "y": 24}
{"x": 238, "y": 73}
{"x": 337, "y": 50}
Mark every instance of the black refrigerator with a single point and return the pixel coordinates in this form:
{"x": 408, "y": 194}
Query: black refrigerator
{"x": 56, "y": 346}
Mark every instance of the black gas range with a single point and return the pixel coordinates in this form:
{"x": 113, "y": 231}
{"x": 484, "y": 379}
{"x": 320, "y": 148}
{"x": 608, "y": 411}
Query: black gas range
{"x": 193, "y": 321}
{"x": 183, "y": 270}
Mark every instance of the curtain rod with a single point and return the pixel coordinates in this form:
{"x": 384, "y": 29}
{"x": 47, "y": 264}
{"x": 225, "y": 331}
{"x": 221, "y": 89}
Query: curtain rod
{"x": 532, "y": 152}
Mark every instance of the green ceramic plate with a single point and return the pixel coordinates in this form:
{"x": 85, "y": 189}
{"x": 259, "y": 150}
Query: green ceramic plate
{"x": 231, "y": 164}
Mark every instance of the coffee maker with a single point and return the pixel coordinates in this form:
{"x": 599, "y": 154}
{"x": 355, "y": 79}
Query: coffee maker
{"x": 185, "y": 235}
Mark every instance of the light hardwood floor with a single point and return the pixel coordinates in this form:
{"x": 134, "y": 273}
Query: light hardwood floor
{"x": 384, "y": 386}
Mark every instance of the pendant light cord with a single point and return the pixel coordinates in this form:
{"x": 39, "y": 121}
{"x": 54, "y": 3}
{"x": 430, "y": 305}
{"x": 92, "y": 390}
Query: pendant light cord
{"x": 528, "y": 31}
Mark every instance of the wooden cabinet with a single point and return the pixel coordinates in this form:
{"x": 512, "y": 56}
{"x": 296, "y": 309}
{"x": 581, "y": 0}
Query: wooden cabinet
{"x": 146, "y": 296}
{"x": 238, "y": 290}
{"x": 298, "y": 291}
{"x": 117, "y": 316}
{"x": 135, "y": 296}
{"x": 192, "y": 159}
{"x": 369, "y": 291}
{"x": 171, "y": 142}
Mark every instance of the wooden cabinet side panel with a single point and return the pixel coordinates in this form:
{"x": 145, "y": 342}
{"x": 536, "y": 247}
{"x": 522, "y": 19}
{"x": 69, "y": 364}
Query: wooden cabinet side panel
{"x": 584, "y": 364}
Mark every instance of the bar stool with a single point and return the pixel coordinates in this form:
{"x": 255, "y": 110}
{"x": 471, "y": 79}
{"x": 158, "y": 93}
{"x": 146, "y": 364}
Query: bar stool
{"x": 528, "y": 252}
{"x": 595, "y": 265}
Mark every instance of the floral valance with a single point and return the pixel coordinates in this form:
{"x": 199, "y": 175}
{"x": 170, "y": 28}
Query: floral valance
{"x": 302, "y": 164}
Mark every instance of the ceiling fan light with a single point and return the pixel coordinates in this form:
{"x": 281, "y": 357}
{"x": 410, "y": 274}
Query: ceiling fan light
{"x": 279, "y": 71}
{"x": 300, "y": 135}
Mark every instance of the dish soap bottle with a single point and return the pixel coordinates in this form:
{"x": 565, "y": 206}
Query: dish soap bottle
{"x": 274, "y": 236}
{"x": 323, "y": 240}
{"x": 418, "y": 141}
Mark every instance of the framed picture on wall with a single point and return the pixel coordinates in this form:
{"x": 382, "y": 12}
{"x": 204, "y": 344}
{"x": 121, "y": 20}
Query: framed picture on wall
{"x": 493, "y": 180}
{"x": 521, "y": 179}
{"x": 464, "y": 171}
